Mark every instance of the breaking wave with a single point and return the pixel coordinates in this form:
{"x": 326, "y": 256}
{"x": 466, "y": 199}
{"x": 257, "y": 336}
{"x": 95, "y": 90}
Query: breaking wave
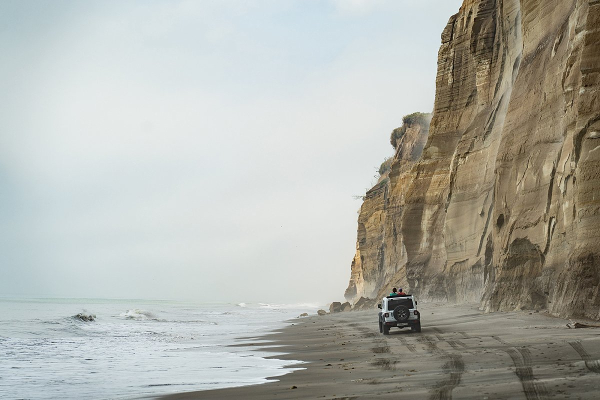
{"x": 175, "y": 341}
{"x": 139, "y": 315}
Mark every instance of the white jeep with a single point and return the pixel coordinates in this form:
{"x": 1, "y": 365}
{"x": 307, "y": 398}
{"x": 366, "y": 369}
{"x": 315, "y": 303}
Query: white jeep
{"x": 399, "y": 311}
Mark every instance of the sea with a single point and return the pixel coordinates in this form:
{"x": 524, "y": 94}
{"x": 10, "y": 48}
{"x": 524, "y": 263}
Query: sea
{"x": 132, "y": 349}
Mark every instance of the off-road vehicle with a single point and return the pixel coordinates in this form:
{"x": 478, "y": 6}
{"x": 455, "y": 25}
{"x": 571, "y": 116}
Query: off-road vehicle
{"x": 399, "y": 311}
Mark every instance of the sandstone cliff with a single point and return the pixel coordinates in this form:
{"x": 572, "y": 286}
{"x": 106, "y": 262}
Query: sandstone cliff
{"x": 380, "y": 253}
{"x": 503, "y": 204}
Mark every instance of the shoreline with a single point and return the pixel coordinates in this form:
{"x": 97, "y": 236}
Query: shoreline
{"x": 461, "y": 352}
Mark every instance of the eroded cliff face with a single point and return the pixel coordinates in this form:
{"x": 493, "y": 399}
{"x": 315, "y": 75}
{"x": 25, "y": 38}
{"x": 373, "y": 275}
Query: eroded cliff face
{"x": 380, "y": 253}
{"x": 503, "y": 205}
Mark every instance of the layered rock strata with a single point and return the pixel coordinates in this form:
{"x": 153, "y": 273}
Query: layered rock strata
{"x": 380, "y": 252}
{"x": 503, "y": 204}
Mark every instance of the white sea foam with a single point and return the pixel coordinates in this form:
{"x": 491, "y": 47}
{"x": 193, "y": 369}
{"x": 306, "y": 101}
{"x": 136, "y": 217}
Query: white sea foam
{"x": 150, "y": 349}
{"x": 139, "y": 315}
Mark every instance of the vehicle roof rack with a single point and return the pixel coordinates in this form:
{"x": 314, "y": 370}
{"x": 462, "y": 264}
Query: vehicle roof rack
{"x": 399, "y": 295}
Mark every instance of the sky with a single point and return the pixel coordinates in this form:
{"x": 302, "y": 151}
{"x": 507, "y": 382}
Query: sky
{"x": 200, "y": 150}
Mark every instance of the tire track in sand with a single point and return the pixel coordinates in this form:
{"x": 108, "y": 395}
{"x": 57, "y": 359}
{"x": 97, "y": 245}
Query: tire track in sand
{"x": 366, "y": 332}
{"x": 454, "y": 343}
{"x": 410, "y": 347}
{"x": 382, "y": 347}
{"x": 590, "y": 363}
{"x": 438, "y": 334}
{"x": 521, "y": 358}
{"x": 454, "y": 368}
{"x": 465, "y": 335}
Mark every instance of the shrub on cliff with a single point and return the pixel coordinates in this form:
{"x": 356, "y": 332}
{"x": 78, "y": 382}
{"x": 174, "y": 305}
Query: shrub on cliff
{"x": 416, "y": 118}
{"x": 409, "y": 120}
{"x": 385, "y": 166}
{"x": 396, "y": 135}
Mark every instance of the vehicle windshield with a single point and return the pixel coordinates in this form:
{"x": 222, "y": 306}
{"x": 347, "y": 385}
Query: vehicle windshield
{"x": 393, "y": 303}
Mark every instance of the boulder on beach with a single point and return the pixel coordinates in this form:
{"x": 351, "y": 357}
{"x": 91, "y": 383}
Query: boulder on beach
{"x": 335, "y": 307}
{"x": 364, "y": 303}
{"x": 346, "y": 306}
{"x": 322, "y": 312}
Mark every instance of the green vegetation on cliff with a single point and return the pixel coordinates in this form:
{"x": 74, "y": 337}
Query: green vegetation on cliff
{"x": 408, "y": 120}
{"x": 385, "y": 166}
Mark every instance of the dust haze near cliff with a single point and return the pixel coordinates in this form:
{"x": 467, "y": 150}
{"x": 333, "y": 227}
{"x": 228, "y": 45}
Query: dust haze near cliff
{"x": 205, "y": 150}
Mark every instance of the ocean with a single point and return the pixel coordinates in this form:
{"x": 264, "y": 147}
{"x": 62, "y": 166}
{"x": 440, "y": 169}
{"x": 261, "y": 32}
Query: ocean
{"x": 133, "y": 348}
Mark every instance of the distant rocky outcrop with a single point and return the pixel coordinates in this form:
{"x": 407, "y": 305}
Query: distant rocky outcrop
{"x": 502, "y": 205}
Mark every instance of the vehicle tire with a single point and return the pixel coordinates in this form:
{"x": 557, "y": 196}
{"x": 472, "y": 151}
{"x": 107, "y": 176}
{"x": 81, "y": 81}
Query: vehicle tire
{"x": 386, "y": 330}
{"x": 401, "y": 313}
{"x": 380, "y": 327}
{"x": 416, "y": 327}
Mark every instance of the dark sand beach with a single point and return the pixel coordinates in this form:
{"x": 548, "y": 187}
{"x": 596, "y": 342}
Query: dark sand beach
{"x": 461, "y": 353}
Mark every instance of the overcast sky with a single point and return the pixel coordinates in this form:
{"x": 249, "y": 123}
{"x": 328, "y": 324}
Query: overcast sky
{"x": 205, "y": 150}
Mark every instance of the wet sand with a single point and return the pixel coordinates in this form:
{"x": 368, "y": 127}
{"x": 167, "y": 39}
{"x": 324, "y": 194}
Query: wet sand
{"x": 461, "y": 353}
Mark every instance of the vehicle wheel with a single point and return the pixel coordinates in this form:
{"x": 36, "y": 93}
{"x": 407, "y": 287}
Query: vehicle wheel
{"x": 401, "y": 313}
{"x": 416, "y": 327}
{"x": 386, "y": 330}
{"x": 380, "y": 326}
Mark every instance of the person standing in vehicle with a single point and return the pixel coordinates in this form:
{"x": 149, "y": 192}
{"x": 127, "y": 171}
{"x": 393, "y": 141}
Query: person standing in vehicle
{"x": 401, "y": 293}
{"x": 394, "y": 292}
